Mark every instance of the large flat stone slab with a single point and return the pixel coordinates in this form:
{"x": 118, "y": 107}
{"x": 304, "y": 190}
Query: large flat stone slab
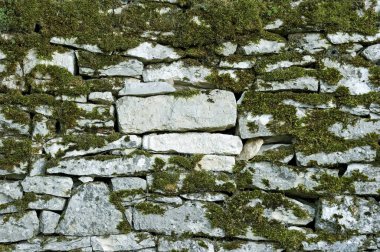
{"x": 187, "y": 218}
{"x": 53, "y": 185}
{"x": 193, "y": 143}
{"x": 123, "y": 242}
{"x": 211, "y": 111}
{"x": 103, "y": 168}
{"x": 89, "y": 212}
{"x": 13, "y": 229}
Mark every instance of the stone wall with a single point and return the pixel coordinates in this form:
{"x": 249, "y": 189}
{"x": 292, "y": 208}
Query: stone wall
{"x": 172, "y": 125}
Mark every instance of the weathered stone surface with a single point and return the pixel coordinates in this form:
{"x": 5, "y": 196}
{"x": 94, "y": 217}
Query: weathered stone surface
{"x": 177, "y": 71}
{"x": 306, "y": 60}
{"x": 103, "y": 168}
{"x": 206, "y": 111}
{"x": 150, "y": 51}
{"x": 358, "y": 130}
{"x": 286, "y": 178}
{"x": 38, "y": 165}
{"x": 134, "y": 87}
{"x": 216, "y": 163}
{"x": 309, "y": 42}
{"x": 45, "y": 202}
{"x": 194, "y": 245}
{"x": 72, "y": 42}
{"x": 250, "y": 149}
{"x": 128, "y": 68}
{"x": 244, "y": 122}
{"x": 352, "y": 244}
{"x": 18, "y": 229}
{"x": 128, "y": 184}
{"x": 9, "y": 191}
{"x": 89, "y": 212}
{"x": 226, "y": 49}
{"x": 356, "y": 154}
{"x": 371, "y": 187}
{"x": 252, "y": 246}
{"x": 372, "y": 53}
{"x": 7, "y": 124}
{"x": 188, "y": 218}
{"x": 343, "y": 38}
{"x": 246, "y": 64}
{"x": 263, "y": 46}
{"x": 67, "y": 243}
{"x": 303, "y": 83}
{"x": 101, "y": 97}
{"x": 193, "y": 143}
{"x": 48, "y": 222}
{"x": 347, "y": 213}
{"x": 356, "y": 79}
{"x": 53, "y": 185}
{"x": 211, "y": 197}
{"x": 282, "y": 153}
{"x": 61, "y": 59}
{"x": 123, "y": 242}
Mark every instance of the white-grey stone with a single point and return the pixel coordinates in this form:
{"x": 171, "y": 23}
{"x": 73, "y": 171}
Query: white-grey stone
{"x": 187, "y": 218}
{"x": 53, "y": 185}
{"x": 151, "y": 51}
{"x": 72, "y": 42}
{"x": 251, "y": 246}
{"x": 89, "y": 212}
{"x": 226, "y": 49}
{"x": 18, "y": 229}
{"x": 64, "y": 60}
{"x": 359, "y": 110}
{"x": 356, "y": 79}
{"x": 246, "y": 64}
{"x": 125, "y": 142}
{"x": 250, "y": 149}
{"x": 10, "y": 191}
{"x": 372, "y": 53}
{"x": 177, "y": 71}
{"x": 165, "y": 199}
{"x": 355, "y": 214}
{"x": 302, "y": 83}
{"x": 211, "y": 197}
{"x": 103, "y": 168}
{"x": 307, "y": 59}
{"x": 352, "y": 244}
{"x": 48, "y": 222}
{"x": 85, "y": 179}
{"x": 8, "y": 124}
{"x": 260, "y": 121}
{"x": 356, "y": 154}
{"x": 371, "y": 187}
{"x": 193, "y": 245}
{"x": 2, "y": 55}
{"x": 216, "y": 163}
{"x": 268, "y": 149}
{"x": 274, "y": 25}
{"x": 128, "y": 68}
{"x": 44, "y": 202}
{"x": 193, "y": 143}
{"x": 343, "y": 38}
{"x": 358, "y": 130}
{"x": 211, "y": 111}
{"x": 123, "y": 242}
{"x": 66, "y": 243}
{"x": 129, "y": 183}
{"x": 286, "y": 178}
{"x": 263, "y": 46}
{"x": 309, "y": 42}
{"x": 137, "y": 88}
{"x": 100, "y": 97}
{"x": 37, "y": 166}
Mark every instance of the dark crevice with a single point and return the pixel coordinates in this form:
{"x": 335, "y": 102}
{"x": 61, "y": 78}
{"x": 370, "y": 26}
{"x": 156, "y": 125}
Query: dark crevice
{"x": 37, "y": 28}
{"x": 342, "y": 169}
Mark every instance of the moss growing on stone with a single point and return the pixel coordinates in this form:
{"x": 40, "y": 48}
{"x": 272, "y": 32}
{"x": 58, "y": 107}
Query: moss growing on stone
{"x": 150, "y": 208}
{"x": 14, "y": 152}
{"x": 237, "y": 216}
{"x": 333, "y": 185}
{"x": 166, "y": 181}
{"x": 187, "y": 163}
{"x": 187, "y": 93}
{"x": 204, "y": 181}
{"x": 224, "y": 80}
{"x": 86, "y": 141}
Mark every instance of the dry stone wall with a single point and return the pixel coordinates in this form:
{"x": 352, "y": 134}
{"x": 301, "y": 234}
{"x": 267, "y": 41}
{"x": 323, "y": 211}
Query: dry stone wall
{"x": 180, "y": 125}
